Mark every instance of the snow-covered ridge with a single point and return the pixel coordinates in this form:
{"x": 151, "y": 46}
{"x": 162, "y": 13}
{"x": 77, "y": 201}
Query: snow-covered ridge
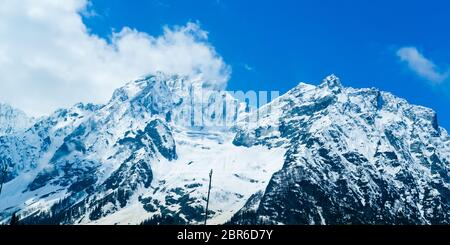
{"x": 111, "y": 163}
{"x": 316, "y": 155}
{"x": 353, "y": 156}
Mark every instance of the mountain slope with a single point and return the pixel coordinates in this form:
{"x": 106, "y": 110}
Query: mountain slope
{"x": 321, "y": 154}
{"x": 142, "y": 154}
{"x": 355, "y": 156}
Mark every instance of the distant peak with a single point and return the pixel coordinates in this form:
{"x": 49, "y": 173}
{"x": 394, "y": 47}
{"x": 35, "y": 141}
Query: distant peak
{"x": 332, "y": 82}
{"x": 332, "y": 77}
{"x": 159, "y": 75}
{"x": 12, "y": 119}
{"x": 8, "y": 109}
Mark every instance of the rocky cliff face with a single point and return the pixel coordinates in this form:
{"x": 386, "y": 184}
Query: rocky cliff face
{"x": 354, "y": 156}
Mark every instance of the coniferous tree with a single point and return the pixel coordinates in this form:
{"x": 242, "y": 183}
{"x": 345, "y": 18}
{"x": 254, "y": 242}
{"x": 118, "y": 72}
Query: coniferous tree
{"x": 3, "y": 173}
{"x": 14, "y": 219}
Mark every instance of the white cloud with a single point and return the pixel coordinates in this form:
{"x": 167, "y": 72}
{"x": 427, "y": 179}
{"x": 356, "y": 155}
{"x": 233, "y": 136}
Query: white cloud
{"x": 248, "y": 67}
{"x": 48, "y": 58}
{"x": 422, "y": 66}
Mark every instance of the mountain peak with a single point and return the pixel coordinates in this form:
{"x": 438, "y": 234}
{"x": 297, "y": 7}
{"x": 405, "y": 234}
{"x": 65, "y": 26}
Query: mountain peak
{"x": 12, "y": 119}
{"x": 332, "y": 82}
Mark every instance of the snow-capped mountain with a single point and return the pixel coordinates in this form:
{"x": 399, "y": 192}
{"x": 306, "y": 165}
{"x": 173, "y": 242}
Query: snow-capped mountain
{"x": 354, "y": 156}
{"x": 317, "y": 155}
{"x": 144, "y": 153}
{"x": 13, "y": 120}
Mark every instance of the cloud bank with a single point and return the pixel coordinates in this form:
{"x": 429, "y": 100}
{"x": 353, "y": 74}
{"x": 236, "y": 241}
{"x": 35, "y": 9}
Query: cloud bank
{"x": 422, "y": 66}
{"x": 49, "y": 59}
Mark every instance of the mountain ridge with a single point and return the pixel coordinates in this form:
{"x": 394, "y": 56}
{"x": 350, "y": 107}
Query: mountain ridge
{"x": 322, "y": 154}
{"x": 358, "y": 156}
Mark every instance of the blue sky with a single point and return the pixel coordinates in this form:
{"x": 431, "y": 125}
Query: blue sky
{"x": 272, "y": 45}
{"x": 81, "y": 50}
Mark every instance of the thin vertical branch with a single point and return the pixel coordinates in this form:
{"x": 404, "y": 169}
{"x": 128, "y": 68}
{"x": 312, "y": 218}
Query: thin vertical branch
{"x": 207, "y": 199}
